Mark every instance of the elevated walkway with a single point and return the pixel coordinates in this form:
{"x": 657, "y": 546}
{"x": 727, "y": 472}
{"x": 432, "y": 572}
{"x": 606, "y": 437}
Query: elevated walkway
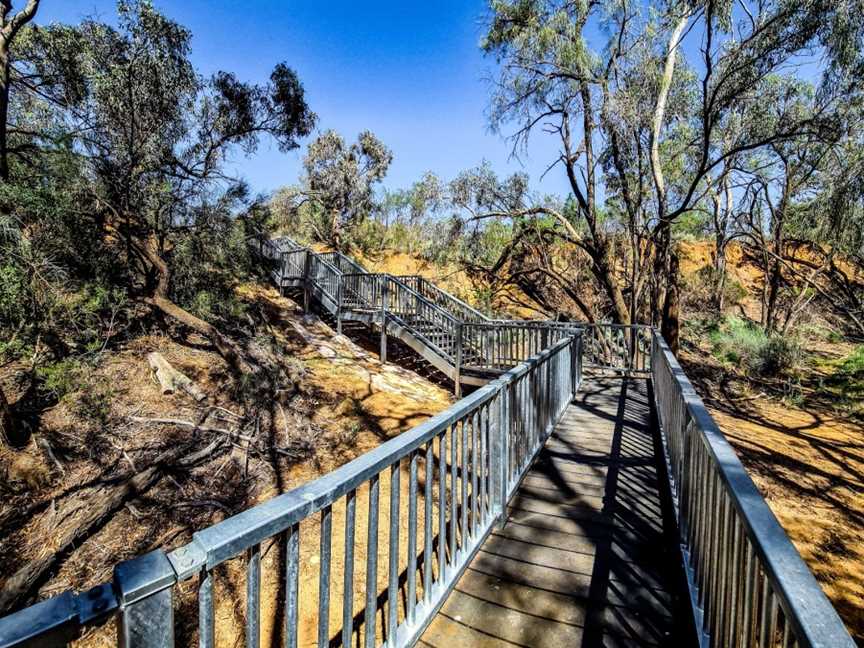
{"x": 461, "y": 342}
{"x": 540, "y": 510}
{"x": 587, "y": 555}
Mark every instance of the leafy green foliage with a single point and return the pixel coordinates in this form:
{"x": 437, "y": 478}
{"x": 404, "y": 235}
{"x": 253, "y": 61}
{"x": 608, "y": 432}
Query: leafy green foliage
{"x": 207, "y": 265}
{"x": 62, "y": 378}
{"x": 339, "y": 182}
{"x": 747, "y": 346}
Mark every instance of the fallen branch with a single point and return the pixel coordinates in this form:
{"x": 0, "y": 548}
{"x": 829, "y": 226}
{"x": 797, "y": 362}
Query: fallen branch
{"x": 81, "y": 514}
{"x": 172, "y": 380}
{"x": 190, "y": 425}
{"x": 203, "y": 503}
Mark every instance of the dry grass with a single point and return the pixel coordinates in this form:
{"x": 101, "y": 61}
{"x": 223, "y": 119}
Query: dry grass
{"x": 347, "y": 403}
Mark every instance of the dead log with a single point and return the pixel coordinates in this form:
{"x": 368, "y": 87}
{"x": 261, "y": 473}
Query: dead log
{"x": 191, "y": 425}
{"x": 83, "y": 512}
{"x": 172, "y": 380}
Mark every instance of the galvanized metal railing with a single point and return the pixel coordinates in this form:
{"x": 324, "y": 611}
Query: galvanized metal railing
{"x": 501, "y": 343}
{"x": 292, "y": 264}
{"x": 361, "y": 291}
{"x": 445, "y": 300}
{"x": 461, "y": 467}
{"x": 342, "y": 262}
{"x": 749, "y": 586}
{"x": 622, "y": 349}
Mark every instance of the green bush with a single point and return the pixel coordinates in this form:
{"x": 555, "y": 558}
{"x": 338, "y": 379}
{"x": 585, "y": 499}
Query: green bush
{"x": 777, "y": 356}
{"x": 61, "y": 378}
{"x": 94, "y": 402}
{"x": 206, "y": 267}
{"x": 13, "y": 294}
{"x": 745, "y": 344}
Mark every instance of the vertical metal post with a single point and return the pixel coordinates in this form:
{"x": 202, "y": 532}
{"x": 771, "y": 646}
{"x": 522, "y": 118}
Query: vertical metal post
{"x": 497, "y": 462}
{"x": 307, "y": 261}
{"x": 145, "y": 587}
{"x": 580, "y": 355}
{"x": 384, "y": 280}
{"x": 339, "y": 305}
{"x": 253, "y": 597}
{"x": 457, "y": 347}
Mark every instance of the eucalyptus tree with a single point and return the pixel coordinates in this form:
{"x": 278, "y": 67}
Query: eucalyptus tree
{"x": 643, "y": 119}
{"x": 340, "y": 180}
{"x": 153, "y": 137}
{"x": 11, "y": 24}
{"x": 801, "y": 219}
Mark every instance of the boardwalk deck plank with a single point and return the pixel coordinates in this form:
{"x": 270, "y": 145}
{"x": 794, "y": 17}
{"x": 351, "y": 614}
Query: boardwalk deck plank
{"x": 584, "y": 558}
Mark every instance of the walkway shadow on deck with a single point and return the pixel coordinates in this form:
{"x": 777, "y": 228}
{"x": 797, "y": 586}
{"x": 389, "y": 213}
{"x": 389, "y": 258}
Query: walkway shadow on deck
{"x": 587, "y": 557}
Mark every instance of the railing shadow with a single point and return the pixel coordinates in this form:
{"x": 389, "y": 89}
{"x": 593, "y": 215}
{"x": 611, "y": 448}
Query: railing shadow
{"x": 586, "y": 557}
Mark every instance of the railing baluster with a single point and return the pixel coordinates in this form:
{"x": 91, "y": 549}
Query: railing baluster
{"x": 428, "y": 478}
{"x": 371, "y": 564}
{"x": 454, "y": 491}
{"x": 772, "y": 623}
{"x": 475, "y": 466}
{"x": 348, "y": 575}
{"x": 442, "y": 505}
{"x": 749, "y": 594}
{"x": 463, "y": 535}
{"x": 412, "y": 535}
{"x": 206, "y": 619}
{"x": 324, "y": 578}
{"x": 253, "y": 594}
{"x": 393, "y": 582}
{"x": 734, "y": 571}
{"x": 292, "y": 573}
{"x": 484, "y": 472}
{"x": 767, "y": 599}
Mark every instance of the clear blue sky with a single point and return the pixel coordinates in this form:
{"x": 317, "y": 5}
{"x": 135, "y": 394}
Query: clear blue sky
{"x": 409, "y": 71}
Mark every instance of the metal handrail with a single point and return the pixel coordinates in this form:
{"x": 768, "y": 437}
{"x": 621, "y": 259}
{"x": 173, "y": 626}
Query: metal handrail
{"x": 443, "y": 312}
{"x": 748, "y": 583}
{"x": 425, "y": 284}
{"x": 503, "y": 344}
{"x": 618, "y": 348}
{"x": 472, "y": 456}
{"x": 604, "y": 352}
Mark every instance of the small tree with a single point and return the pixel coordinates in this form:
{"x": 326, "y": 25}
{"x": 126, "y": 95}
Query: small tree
{"x": 153, "y": 138}
{"x": 340, "y": 180}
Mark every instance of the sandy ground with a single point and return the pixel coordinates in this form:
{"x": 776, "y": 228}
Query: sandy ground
{"x": 349, "y": 403}
{"x": 810, "y": 468}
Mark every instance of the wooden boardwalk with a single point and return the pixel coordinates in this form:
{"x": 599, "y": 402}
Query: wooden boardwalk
{"x": 584, "y": 558}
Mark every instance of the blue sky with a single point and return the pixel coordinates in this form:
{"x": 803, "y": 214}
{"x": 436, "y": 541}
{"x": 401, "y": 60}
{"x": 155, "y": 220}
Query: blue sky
{"x": 409, "y": 71}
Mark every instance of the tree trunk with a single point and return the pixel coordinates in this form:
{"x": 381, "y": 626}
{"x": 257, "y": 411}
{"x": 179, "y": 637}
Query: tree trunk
{"x": 670, "y": 324}
{"x": 9, "y": 431}
{"x": 10, "y": 428}
{"x": 4, "y": 110}
{"x": 336, "y": 231}
{"x": 227, "y": 348}
{"x": 720, "y": 273}
{"x": 661, "y": 270}
{"x": 604, "y": 271}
